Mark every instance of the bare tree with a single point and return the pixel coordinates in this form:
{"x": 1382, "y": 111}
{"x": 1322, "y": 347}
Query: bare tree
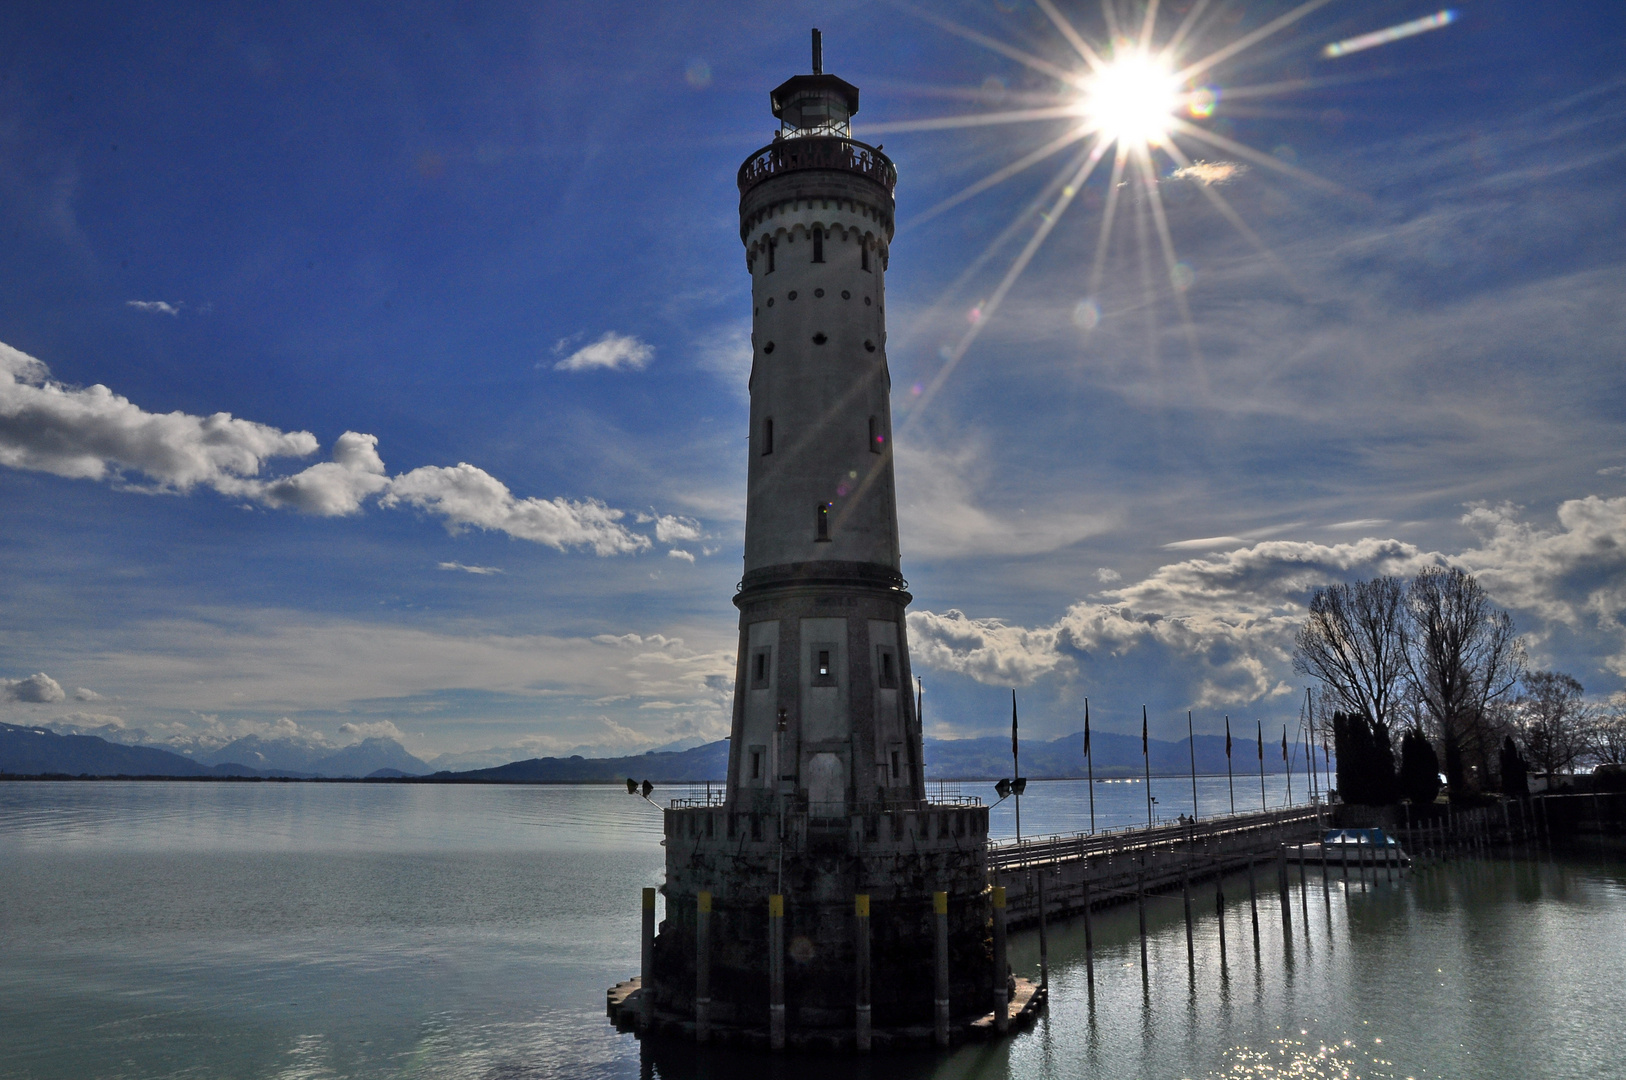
{"x": 1606, "y": 734}
{"x": 1354, "y": 643}
{"x": 1463, "y": 657}
{"x": 1553, "y": 720}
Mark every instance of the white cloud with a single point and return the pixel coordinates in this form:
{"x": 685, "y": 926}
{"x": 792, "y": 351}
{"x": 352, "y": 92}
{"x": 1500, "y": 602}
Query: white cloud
{"x": 93, "y": 434}
{"x": 987, "y": 650}
{"x": 612, "y": 352}
{"x": 157, "y": 306}
{"x": 670, "y": 528}
{"x": 678, "y": 553}
{"x": 1107, "y": 576}
{"x": 483, "y": 570}
{"x": 38, "y": 689}
{"x": 1209, "y": 173}
{"x": 379, "y": 729}
{"x": 1613, "y": 470}
{"x": 467, "y": 496}
{"x": 83, "y": 694}
{"x": 1207, "y": 543}
{"x": 333, "y": 488}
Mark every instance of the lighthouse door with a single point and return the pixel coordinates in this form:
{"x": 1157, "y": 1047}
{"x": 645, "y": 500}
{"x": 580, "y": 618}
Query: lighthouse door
{"x": 826, "y": 786}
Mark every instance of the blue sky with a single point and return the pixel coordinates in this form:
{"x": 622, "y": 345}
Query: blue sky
{"x": 497, "y": 245}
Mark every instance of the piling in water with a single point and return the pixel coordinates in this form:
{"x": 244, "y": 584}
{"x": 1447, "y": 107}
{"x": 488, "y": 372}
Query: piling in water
{"x": 1002, "y": 1012}
{"x": 861, "y": 1022}
{"x": 776, "y": 972}
{"x": 940, "y": 910}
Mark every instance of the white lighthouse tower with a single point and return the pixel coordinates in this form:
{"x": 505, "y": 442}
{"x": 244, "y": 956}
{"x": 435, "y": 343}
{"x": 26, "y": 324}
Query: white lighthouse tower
{"x": 823, "y": 898}
{"x": 823, "y": 716}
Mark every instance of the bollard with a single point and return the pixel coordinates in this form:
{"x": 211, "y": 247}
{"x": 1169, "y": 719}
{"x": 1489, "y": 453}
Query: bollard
{"x": 1219, "y": 915}
{"x": 702, "y": 967}
{"x": 1044, "y": 941}
{"x": 1191, "y": 947}
{"x": 1002, "y": 974}
{"x": 1140, "y": 905}
{"x": 646, "y": 975}
{"x": 1089, "y": 937}
{"x": 940, "y": 908}
{"x": 776, "y": 972}
{"x": 861, "y": 948}
{"x": 1253, "y": 905}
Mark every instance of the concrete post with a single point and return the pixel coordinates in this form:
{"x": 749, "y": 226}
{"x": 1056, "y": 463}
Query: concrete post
{"x": 1281, "y": 888}
{"x": 1304, "y": 891}
{"x": 1219, "y": 914}
{"x": 646, "y": 967}
{"x": 861, "y": 947}
{"x": 702, "y": 967}
{"x": 776, "y": 972}
{"x": 1002, "y": 1005}
{"x": 941, "y": 966}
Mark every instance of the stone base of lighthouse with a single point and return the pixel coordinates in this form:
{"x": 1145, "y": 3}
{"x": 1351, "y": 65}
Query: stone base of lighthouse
{"x": 898, "y": 858}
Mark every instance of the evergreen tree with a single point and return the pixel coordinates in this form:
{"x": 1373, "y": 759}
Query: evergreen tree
{"x": 1366, "y": 761}
{"x": 1515, "y": 771}
{"x": 1419, "y": 769}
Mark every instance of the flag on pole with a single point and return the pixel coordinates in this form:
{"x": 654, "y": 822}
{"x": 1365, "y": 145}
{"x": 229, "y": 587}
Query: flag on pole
{"x": 1284, "y": 742}
{"x": 1227, "y": 738}
{"x": 1260, "y": 725}
{"x": 1013, "y": 721}
{"x": 1143, "y": 748}
{"x": 1086, "y": 727}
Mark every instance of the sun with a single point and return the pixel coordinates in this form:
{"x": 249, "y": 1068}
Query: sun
{"x": 1132, "y": 99}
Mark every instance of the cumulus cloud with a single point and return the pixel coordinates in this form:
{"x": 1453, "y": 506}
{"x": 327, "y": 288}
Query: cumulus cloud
{"x": 83, "y": 694}
{"x": 470, "y": 569}
{"x": 1209, "y": 173}
{"x": 470, "y": 497}
{"x": 1227, "y": 620}
{"x": 670, "y": 528}
{"x": 38, "y": 688}
{"x": 156, "y": 306}
{"x": 612, "y": 352}
{"x": 378, "y": 729}
{"x": 679, "y": 553}
{"x": 1206, "y": 543}
{"x": 1106, "y": 575}
{"x": 94, "y": 434}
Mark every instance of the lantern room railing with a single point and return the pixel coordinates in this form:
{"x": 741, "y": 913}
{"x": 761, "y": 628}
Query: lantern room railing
{"x": 817, "y": 152}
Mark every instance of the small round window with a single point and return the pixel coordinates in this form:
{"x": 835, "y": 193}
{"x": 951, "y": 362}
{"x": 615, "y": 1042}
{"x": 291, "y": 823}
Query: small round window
{"x": 845, "y": 295}
{"x": 792, "y": 295}
{"x": 819, "y": 338}
{"x": 869, "y": 346}
{"x": 768, "y": 348}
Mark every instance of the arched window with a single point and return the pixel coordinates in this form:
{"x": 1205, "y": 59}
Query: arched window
{"x": 773, "y": 245}
{"x": 818, "y": 245}
{"x": 863, "y": 256}
{"x": 823, "y": 522}
{"x": 767, "y": 436}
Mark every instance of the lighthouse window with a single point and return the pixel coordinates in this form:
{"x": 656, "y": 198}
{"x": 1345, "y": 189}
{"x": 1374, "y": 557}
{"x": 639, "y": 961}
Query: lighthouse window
{"x": 863, "y": 257}
{"x": 756, "y": 763}
{"x": 772, "y": 246}
{"x": 877, "y": 438}
{"x": 887, "y": 669}
{"x": 824, "y": 663}
{"x": 824, "y": 521}
{"x": 767, "y": 436}
{"x": 818, "y": 245}
{"x": 894, "y": 764}
{"x": 760, "y": 671}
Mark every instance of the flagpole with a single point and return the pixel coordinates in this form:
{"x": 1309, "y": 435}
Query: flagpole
{"x": 1146, "y": 757}
{"x": 1191, "y": 744}
{"x": 1260, "y": 725}
{"x": 1089, "y": 761}
{"x": 1230, "y": 781}
{"x": 1309, "y": 733}
{"x": 1016, "y": 766}
{"x": 1288, "y": 767}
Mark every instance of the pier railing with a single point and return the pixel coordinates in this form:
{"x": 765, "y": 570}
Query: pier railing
{"x": 1037, "y": 851}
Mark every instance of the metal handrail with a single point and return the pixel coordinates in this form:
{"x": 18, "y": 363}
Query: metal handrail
{"x": 818, "y": 152}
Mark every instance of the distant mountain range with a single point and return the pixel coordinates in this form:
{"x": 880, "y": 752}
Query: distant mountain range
{"x": 29, "y": 751}
{"x": 26, "y": 751}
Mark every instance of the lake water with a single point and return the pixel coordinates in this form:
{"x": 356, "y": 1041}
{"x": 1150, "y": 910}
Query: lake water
{"x": 347, "y": 930}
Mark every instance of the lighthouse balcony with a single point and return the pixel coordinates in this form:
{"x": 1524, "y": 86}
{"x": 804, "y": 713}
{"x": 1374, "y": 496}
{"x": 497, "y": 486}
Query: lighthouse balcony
{"x": 830, "y": 153}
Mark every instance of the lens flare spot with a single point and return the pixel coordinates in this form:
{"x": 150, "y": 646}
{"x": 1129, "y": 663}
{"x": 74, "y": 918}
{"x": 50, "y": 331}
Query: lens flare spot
{"x": 974, "y": 316}
{"x": 1181, "y": 276}
{"x": 1086, "y": 315}
{"x": 916, "y": 390}
{"x": 697, "y": 74}
{"x": 1202, "y": 101}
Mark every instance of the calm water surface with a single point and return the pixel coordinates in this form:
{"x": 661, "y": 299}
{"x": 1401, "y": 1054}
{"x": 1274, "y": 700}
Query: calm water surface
{"x": 301, "y": 930}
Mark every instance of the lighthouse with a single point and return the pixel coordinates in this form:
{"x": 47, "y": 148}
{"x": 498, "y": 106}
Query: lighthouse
{"x": 821, "y": 897}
